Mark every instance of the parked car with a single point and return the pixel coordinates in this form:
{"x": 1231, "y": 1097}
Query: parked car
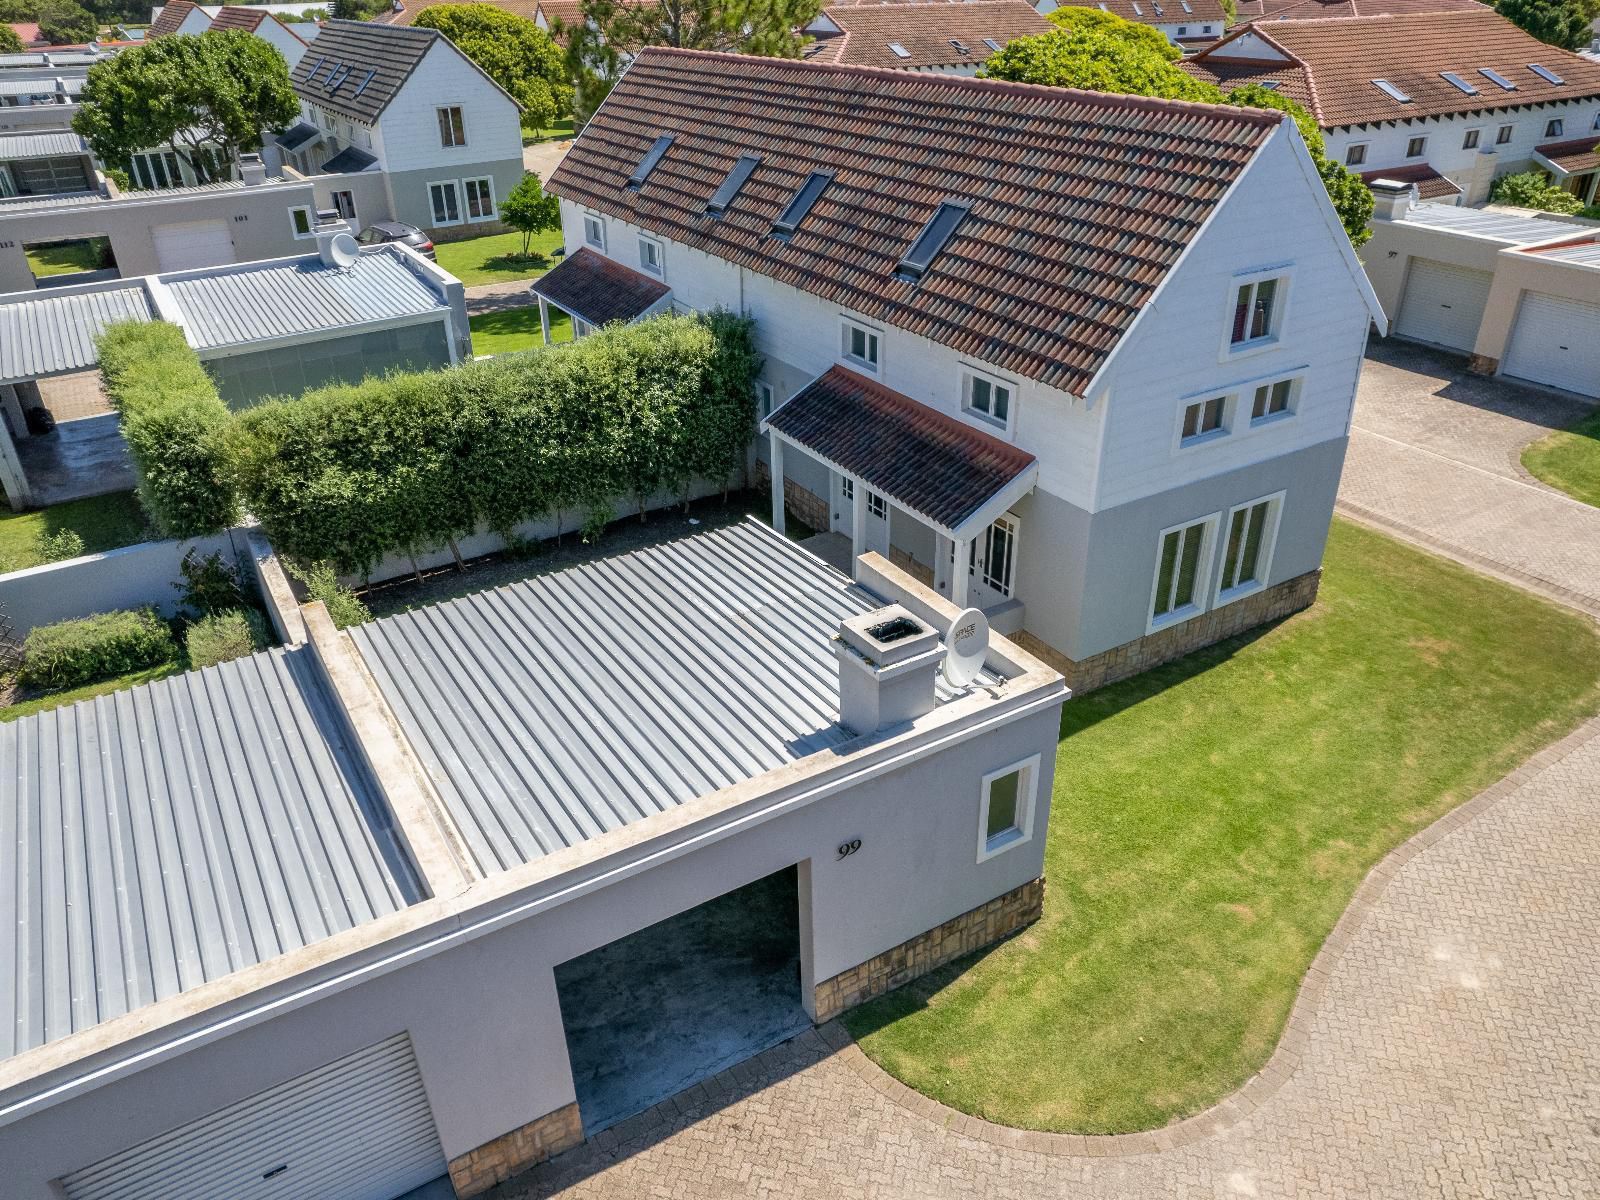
{"x": 398, "y": 231}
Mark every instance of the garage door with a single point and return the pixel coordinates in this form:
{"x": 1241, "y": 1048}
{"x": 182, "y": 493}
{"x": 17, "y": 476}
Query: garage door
{"x": 1443, "y": 304}
{"x": 1556, "y": 342}
{"x": 193, "y": 244}
{"x": 356, "y": 1129}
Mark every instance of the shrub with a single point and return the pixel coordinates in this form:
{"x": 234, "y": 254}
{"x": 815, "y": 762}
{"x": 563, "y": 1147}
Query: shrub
{"x": 58, "y": 546}
{"x": 223, "y": 636}
{"x": 1529, "y": 189}
{"x": 322, "y": 583}
{"x": 210, "y": 584}
{"x": 173, "y": 421}
{"x": 70, "y": 653}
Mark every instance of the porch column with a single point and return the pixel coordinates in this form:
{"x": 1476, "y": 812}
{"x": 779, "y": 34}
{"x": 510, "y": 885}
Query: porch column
{"x": 858, "y": 523}
{"x": 12, "y": 477}
{"x": 941, "y": 563}
{"x": 544, "y": 318}
{"x": 777, "y": 479}
{"x": 960, "y": 574}
{"x": 1594, "y": 188}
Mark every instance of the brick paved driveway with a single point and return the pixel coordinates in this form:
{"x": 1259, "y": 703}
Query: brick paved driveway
{"x": 1453, "y": 1050}
{"x": 1434, "y": 457}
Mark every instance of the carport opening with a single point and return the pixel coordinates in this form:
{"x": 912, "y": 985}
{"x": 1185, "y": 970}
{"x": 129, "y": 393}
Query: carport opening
{"x": 71, "y": 260}
{"x": 661, "y": 1009}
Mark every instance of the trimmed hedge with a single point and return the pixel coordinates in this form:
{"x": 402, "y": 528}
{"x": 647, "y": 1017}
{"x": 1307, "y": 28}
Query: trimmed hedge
{"x": 224, "y": 636}
{"x": 70, "y": 653}
{"x": 173, "y": 421}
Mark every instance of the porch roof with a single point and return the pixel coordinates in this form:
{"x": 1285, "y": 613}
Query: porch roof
{"x": 593, "y": 288}
{"x": 956, "y": 477}
{"x": 1430, "y": 184}
{"x": 1571, "y": 157}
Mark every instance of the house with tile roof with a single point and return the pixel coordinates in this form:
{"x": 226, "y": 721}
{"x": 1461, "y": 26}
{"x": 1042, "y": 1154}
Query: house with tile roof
{"x": 180, "y": 16}
{"x": 268, "y": 28}
{"x": 1446, "y": 101}
{"x": 1084, "y": 362}
{"x": 953, "y": 39}
{"x": 1307, "y": 10}
{"x": 1188, "y": 24}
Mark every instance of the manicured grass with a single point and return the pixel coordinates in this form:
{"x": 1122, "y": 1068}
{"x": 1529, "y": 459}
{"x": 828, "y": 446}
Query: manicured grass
{"x": 1211, "y": 820}
{"x": 516, "y": 329}
{"x": 1569, "y": 460}
{"x": 103, "y": 522}
{"x": 90, "y": 690}
{"x": 485, "y": 259}
{"x": 559, "y": 132}
{"x": 67, "y": 258}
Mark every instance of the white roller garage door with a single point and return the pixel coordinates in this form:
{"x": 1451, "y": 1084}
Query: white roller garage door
{"x": 193, "y": 244}
{"x": 356, "y": 1129}
{"x": 1443, "y": 304}
{"x": 1556, "y": 342}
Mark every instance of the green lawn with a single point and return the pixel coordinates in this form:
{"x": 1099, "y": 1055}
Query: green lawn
{"x": 516, "y": 329}
{"x": 1569, "y": 460}
{"x": 103, "y": 522}
{"x": 559, "y": 132}
{"x": 1211, "y": 820}
{"x": 485, "y": 259}
{"x": 90, "y": 690}
{"x": 67, "y": 258}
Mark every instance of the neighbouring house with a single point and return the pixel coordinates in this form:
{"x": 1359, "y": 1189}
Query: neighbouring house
{"x": 28, "y": 34}
{"x": 1188, "y": 24}
{"x": 280, "y": 36}
{"x": 405, "y": 14}
{"x": 397, "y": 124}
{"x": 1452, "y": 99}
{"x": 1100, "y": 390}
{"x": 1517, "y": 291}
{"x": 46, "y": 163}
{"x": 180, "y": 16}
{"x": 447, "y": 892}
{"x": 40, "y": 91}
{"x": 953, "y": 39}
{"x": 1309, "y": 10}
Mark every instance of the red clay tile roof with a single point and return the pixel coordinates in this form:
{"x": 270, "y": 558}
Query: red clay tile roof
{"x": 172, "y": 15}
{"x": 1292, "y": 81}
{"x": 414, "y": 8}
{"x": 926, "y": 31}
{"x": 237, "y": 16}
{"x": 593, "y": 287}
{"x": 1081, "y": 201}
{"x": 1430, "y": 184}
{"x": 1306, "y": 10}
{"x": 1573, "y": 157}
{"x": 1161, "y": 12}
{"x": 27, "y": 31}
{"x": 1343, "y": 57}
{"x": 933, "y": 464}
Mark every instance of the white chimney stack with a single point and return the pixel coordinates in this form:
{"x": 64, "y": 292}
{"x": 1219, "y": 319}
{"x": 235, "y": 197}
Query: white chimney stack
{"x": 252, "y": 171}
{"x": 1391, "y": 199}
{"x": 888, "y": 664}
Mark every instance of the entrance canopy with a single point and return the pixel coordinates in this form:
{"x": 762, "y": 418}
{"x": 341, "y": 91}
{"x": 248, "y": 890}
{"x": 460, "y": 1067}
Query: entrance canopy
{"x": 949, "y": 474}
{"x": 1569, "y": 158}
{"x": 593, "y": 289}
{"x": 1429, "y": 183}
{"x": 53, "y": 332}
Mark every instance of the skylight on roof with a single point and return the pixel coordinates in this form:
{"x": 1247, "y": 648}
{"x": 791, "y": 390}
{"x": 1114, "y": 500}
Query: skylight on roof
{"x": 938, "y": 231}
{"x": 370, "y": 73}
{"x": 1271, "y": 84}
{"x": 1495, "y": 77}
{"x": 899, "y": 50}
{"x": 1389, "y": 90}
{"x": 1186, "y": 7}
{"x": 1457, "y": 82}
{"x": 1136, "y": 9}
{"x": 1546, "y": 74}
{"x": 961, "y": 47}
{"x": 648, "y": 163}
{"x": 337, "y": 78}
{"x": 992, "y": 44}
{"x": 315, "y": 67}
{"x": 737, "y": 176}
{"x": 789, "y": 220}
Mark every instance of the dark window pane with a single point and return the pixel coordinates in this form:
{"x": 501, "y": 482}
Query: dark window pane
{"x": 1241, "y": 313}
{"x": 1188, "y": 567}
{"x": 1002, "y": 804}
{"x": 1002, "y": 403}
{"x": 1169, "y": 561}
{"x": 1252, "y": 543}
{"x": 1261, "y": 316}
{"x": 1230, "y": 557}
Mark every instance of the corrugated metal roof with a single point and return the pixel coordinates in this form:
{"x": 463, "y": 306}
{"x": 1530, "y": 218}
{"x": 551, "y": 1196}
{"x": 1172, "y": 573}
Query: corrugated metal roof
{"x": 31, "y": 87}
{"x": 559, "y": 708}
{"x": 1587, "y": 253}
{"x": 278, "y": 299}
{"x": 1511, "y": 228}
{"x": 46, "y": 334}
{"x": 167, "y": 835}
{"x": 36, "y": 203}
{"x": 15, "y": 146}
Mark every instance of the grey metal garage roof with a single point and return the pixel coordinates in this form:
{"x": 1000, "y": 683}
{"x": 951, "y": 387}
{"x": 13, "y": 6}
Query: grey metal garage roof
{"x": 167, "y": 835}
{"x": 43, "y": 334}
{"x": 562, "y": 707}
{"x": 16, "y": 146}
{"x": 1510, "y": 227}
{"x": 234, "y": 305}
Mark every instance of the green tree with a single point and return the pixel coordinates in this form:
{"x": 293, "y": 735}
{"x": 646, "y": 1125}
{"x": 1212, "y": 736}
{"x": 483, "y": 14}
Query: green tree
{"x": 10, "y": 43}
{"x": 209, "y": 98}
{"x": 65, "y": 23}
{"x": 512, "y": 51}
{"x": 1529, "y": 189}
{"x": 18, "y": 10}
{"x": 529, "y": 210}
{"x": 1564, "y": 23}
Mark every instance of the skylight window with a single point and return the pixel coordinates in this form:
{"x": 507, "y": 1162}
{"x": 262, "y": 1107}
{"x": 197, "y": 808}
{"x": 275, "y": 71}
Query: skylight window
{"x": 1137, "y": 10}
{"x": 370, "y": 74}
{"x": 899, "y": 50}
{"x": 961, "y": 47}
{"x": 1157, "y": 7}
{"x": 1186, "y": 7}
{"x": 730, "y": 186}
{"x": 1458, "y": 83}
{"x": 336, "y": 79}
{"x": 315, "y": 67}
{"x": 1495, "y": 77}
{"x": 1389, "y": 90}
{"x": 940, "y": 228}
{"x": 810, "y": 191}
{"x": 992, "y": 44}
{"x": 1546, "y": 74}
{"x": 648, "y": 163}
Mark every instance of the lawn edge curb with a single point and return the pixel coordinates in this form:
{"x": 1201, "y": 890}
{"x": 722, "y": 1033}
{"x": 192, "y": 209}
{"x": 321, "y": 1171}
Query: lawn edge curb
{"x": 1281, "y": 1065}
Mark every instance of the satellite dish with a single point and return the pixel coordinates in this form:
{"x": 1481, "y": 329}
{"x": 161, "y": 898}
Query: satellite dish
{"x": 966, "y": 645}
{"x": 344, "y": 251}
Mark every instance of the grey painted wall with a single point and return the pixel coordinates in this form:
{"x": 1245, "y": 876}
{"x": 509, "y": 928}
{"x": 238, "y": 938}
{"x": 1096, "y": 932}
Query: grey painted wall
{"x": 409, "y": 190}
{"x": 484, "y": 1018}
{"x": 247, "y": 379}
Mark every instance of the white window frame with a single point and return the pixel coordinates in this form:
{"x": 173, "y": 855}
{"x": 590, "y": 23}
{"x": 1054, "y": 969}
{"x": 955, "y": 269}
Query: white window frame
{"x": 1352, "y": 148}
{"x": 1013, "y": 529}
{"x": 1283, "y": 274}
{"x": 1021, "y": 831}
{"x": 1202, "y": 578}
{"x": 1421, "y": 143}
{"x": 1555, "y": 127}
{"x": 594, "y": 223}
{"x": 461, "y": 203}
{"x": 847, "y": 489}
{"x": 1295, "y": 382}
{"x": 494, "y": 204}
{"x": 877, "y": 505}
{"x": 660, "y": 269}
{"x": 874, "y": 337}
{"x": 438, "y": 110}
{"x": 1504, "y": 135}
{"x": 970, "y": 377}
{"x": 1269, "y": 544}
{"x": 764, "y": 399}
{"x": 1230, "y": 407}
{"x": 348, "y": 202}
{"x": 311, "y": 222}
{"x": 1472, "y": 139}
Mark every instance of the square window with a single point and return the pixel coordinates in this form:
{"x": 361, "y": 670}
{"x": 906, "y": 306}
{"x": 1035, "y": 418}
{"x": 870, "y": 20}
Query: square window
{"x": 1005, "y": 807}
{"x": 650, "y": 256}
{"x": 445, "y": 201}
{"x": 1203, "y": 417}
{"x": 1271, "y": 400}
{"x": 1596, "y": 124}
{"x": 877, "y": 506}
{"x": 861, "y": 346}
{"x": 1355, "y": 155}
{"x": 300, "y": 221}
{"x": 1416, "y": 147}
{"x": 480, "y": 199}
{"x": 1181, "y": 564}
{"x": 847, "y": 489}
{"x": 1247, "y": 548}
{"x": 1470, "y": 141}
{"x": 594, "y": 231}
{"x": 452, "y": 128}
{"x": 345, "y": 204}
{"x": 989, "y": 398}
{"x": 1255, "y": 312}
{"x": 1554, "y": 127}
{"x": 1504, "y": 135}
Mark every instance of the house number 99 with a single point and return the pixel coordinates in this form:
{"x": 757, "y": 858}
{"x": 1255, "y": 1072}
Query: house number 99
{"x": 846, "y": 849}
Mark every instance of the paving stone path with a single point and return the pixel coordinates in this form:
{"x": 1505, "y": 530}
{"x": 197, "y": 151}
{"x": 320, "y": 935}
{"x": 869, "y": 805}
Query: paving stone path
{"x": 1447, "y": 1044}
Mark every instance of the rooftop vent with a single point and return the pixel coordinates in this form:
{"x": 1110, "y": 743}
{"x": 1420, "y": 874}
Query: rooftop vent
{"x": 961, "y": 47}
{"x": 1546, "y": 74}
{"x": 648, "y": 163}
{"x": 810, "y": 191}
{"x": 939, "y": 229}
{"x": 888, "y": 665}
{"x": 1457, "y": 82}
{"x": 1496, "y": 78}
{"x": 730, "y": 186}
{"x": 1389, "y": 89}
{"x": 899, "y": 50}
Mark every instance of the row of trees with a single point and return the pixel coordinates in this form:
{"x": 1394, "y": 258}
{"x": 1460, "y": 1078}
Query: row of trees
{"x": 61, "y": 22}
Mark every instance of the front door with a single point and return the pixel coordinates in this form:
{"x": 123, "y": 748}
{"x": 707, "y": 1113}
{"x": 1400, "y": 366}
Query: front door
{"x": 991, "y": 564}
{"x": 843, "y": 504}
{"x": 877, "y": 522}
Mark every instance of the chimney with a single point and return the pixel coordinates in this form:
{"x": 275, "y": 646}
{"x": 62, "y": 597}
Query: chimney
{"x": 888, "y": 661}
{"x": 329, "y": 226}
{"x": 252, "y": 171}
{"x": 1391, "y": 199}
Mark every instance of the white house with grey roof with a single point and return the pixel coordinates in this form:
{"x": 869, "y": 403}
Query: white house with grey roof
{"x": 446, "y": 892}
{"x": 1100, "y": 387}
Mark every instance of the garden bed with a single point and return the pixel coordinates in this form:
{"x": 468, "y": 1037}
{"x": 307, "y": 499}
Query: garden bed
{"x": 103, "y": 522}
